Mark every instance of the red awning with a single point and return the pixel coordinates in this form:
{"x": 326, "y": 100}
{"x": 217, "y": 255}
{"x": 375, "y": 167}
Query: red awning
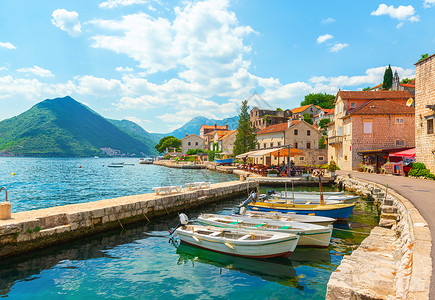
{"x": 404, "y": 153}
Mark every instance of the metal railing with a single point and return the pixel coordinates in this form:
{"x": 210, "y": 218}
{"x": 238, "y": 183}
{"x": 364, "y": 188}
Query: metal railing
{"x": 6, "y": 191}
{"x": 332, "y": 140}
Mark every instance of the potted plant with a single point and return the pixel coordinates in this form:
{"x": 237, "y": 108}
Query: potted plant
{"x": 332, "y": 167}
{"x": 272, "y": 173}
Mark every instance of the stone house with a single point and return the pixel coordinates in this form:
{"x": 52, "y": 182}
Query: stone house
{"x": 212, "y": 139}
{"x": 226, "y": 142}
{"x": 261, "y": 118}
{"x": 311, "y": 109}
{"x": 204, "y": 129}
{"x": 324, "y": 114}
{"x": 192, "y": 141}
{"x": 425, "y": 112}
{"x": 368, "y": 125}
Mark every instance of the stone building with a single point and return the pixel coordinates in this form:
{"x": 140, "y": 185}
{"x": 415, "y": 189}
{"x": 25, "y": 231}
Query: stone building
{"x": 204, "y": 129}
{"x": 192, "y": 141}
{"x": 311, "y": 109}
{"x": 425, "y": 112}
{"x": 226, "y": 142}
{"x": 261, "y": 118}
{"x": 368, "y": 125}
{"x": 397, "y": 86}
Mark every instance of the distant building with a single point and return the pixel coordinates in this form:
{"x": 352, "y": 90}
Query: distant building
{"x": 368, "y": 126}
{"x": 226, "y": 142}
{"x": 204, "y": 129}
{"x": 397, "y": 86}
{"x": 261, "y": 118}
{"x": 425, "y": 112}
{"x": 192, "y": 141}
{"x": 311, "y": 109}
{"x": 324, "y": 114}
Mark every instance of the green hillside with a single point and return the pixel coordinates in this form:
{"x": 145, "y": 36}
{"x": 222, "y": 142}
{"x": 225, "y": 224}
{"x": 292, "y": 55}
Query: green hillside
{"x": 65, "y": 127}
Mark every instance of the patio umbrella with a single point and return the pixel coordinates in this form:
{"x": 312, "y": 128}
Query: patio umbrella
{"x": 284, "y": 152}
{"x": 404, "y": 153}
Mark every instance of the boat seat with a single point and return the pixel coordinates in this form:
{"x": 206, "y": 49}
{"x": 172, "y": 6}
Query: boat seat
{"x": 234, "y": 223}
{"x": 259, "y": 225}
{"x": 285, "y": 227}
{"x": 245, "y": 237}
{"x": 216, "y": 233}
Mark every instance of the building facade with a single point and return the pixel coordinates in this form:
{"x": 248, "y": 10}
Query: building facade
{"x": 425, "y": 112}
{"x": 204, "y": 129}
{"x": 226, "y": 142}
{"x": 369, "y": 125}
{"x": 192, "y": 141}
{"x": 311, "y": 109}
{"x": 261, "y": 118}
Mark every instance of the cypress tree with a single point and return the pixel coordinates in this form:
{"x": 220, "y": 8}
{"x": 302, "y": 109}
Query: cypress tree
{"x": 246, "y": 138}
{"x": 388, "y": 78}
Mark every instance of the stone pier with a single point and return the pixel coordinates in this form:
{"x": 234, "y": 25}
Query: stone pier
{"x": 30, "y": 230}
{"x": 394, "y": 261}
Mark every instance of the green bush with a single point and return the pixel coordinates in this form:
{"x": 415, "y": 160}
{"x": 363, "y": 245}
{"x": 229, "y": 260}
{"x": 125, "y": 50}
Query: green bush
{"x": 420, "y": 170}
{"x": 332, "y": 167}
{"x": 194, "y": 151}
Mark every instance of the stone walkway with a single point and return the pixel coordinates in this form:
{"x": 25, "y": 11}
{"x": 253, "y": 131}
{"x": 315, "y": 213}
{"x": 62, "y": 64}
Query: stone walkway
{"x": 421, "y": 193}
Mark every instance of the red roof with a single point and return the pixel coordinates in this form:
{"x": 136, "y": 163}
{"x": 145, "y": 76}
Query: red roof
{"x": 408, "y": 85}
{"x": 386, "y": 107}
{"x": 375, "y": 95}
{"x": 375, "y": 87}
{"x": 274, "y": 128}
{"x": 212, "y": 127}
{"x": 302, "y": 108}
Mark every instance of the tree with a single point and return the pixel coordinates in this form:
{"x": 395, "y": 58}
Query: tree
{"x": 322, "y": 100}
{"x": 322, "y": 144}
{"x": 323, "y": 122}
{"x": 366, "y": 88}
{"x": 406, "y": 80}
{"x": 246, "y": 139}
{"x": 388, "y": 78}
{"x": 424, "y": 56}
{"x": 167, "y": 141}
{"x": 307, "y": 118}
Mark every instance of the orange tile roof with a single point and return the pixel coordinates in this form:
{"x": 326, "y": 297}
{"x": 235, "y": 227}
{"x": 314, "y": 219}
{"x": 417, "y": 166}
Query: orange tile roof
{"x": 375, "y": 95}
{"x": 274, "y": 128}
{"x": 302, "y": 108}
{"x": 386, "y": 107}
{"x": 191, "y": 135}
{"x": 328, "y": 111}
{"x": 375, "y": 87}
{"x": 227, "y": 134}
{"x": 212, "y": 127}
{"x": 408, "y": 85}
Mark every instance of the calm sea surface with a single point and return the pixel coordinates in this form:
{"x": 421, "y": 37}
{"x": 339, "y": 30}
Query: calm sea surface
{"x": 139, "y": 263}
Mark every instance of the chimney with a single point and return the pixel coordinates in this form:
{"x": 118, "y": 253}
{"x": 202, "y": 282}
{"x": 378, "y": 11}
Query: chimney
{"x": 186, "y": 134}
{"x": 215, "y": 126}
{"x": 226, "y": 126}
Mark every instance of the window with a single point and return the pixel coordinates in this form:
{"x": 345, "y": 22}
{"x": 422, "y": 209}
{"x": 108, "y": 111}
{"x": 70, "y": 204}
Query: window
{"x": 258, "y": 146}
{"x": 367, "y": 127}
{"x": 264, "y": 145}
{"x": 271, "y": 144}
{"x": 321, "y": 158}
{"x": 352, "y": 105}
{"x": 399, "y": 121}
{"x": 308, "y": 145}
{"x": 296, "y": 145}
{"x": 196, "y": 143}
{"x": 308, "y": 132}
{"x": 345, "y": 157}
{"x": 400, "y": 143}
{"x": 295, "y": 132}
{"x": 430, "y": 126}
{"x": 188, "y": 143}
{"x": 279, "y": 143}
{"x": 301, "y": 158}
{"x": 348, "y": 128}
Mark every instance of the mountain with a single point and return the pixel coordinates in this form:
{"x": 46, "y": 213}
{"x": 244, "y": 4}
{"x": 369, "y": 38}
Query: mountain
{"x": 193, "y": 125}
{"x": 67, "y": 128}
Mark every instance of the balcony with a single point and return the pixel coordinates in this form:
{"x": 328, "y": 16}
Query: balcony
{"x": 335, "y": 140}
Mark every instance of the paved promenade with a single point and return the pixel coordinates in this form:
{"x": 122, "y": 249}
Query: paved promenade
{"x": 420, "y": 192}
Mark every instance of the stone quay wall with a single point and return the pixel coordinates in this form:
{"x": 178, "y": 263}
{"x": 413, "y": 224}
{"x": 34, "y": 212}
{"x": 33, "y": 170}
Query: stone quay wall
{"x": 178, "y": 165}
{"x": 394, "y": 261}
{"x": 30, "y": 230}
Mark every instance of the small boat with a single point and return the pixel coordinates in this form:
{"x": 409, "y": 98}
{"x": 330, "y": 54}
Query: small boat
{"x": 238, "y": 242}
{"x": 146, "y": 161}
{"x": 115, "y": 166}
{"x": 118, "y": 163}
{"x": 299, "y": 201}
{"x": 318, "y": 220}
{"x": 224, "y": 161}
{"x": 314, "y": 198}
{"x": 309, "y": 234}
{"x": 335, "y": 211}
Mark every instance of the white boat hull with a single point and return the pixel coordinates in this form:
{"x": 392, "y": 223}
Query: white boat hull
{"x": 281, "y": 245}
{"x": 316, "y": 220}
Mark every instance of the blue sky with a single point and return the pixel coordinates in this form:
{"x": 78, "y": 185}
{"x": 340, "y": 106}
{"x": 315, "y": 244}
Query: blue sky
{"x": 160, "y": 63}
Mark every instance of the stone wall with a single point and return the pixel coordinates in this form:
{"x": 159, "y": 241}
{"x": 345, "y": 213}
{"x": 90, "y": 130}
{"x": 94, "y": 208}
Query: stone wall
{"x": 30, "y": 230}
{"x": 425, "y": 95}
{"x": 394, "y": 261}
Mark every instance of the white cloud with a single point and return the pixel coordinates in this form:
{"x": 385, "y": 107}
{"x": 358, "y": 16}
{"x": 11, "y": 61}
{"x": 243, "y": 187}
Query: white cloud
{"x": 324, "y": 38}
{"x": 7, "y": 45}
{"x": 401, "y": 13}
{"x": 121, "y": 3}
{"x": 337, "y": 47}
{"x": 100, "y": 87}
{"x": 124, "y": 69}
{"x": 67, "y": 21}
{"x": 428, "y": 3}
{"x": 3, "y": 69}
{"x": 328, "y": 20}
{"x": 36, "y": 71}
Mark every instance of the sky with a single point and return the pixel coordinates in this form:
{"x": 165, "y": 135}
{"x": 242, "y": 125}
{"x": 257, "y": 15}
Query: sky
{"x": 160, "y": 63}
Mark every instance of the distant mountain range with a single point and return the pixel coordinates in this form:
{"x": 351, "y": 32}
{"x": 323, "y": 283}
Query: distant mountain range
{"x": 63, "y": 127}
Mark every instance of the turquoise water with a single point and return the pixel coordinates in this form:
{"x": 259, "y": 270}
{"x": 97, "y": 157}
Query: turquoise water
{"x": 140, "y": 263}
{"x": 46, "y": 182}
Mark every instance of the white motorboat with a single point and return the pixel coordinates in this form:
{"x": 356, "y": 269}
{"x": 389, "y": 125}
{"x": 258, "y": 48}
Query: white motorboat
{"x": 239, "y": 242}
{"x": 309, "y": 234}
{"x": 318, "y": 220}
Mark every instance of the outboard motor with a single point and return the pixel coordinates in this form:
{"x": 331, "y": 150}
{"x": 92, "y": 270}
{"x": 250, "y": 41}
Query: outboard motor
{"x": 252, "y": 197}
{"x": 242, "y": 210}
{"x": 183, "y": 219}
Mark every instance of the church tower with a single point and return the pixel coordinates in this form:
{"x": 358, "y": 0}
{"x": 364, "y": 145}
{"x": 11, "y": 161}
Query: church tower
{"x": 396, "y": 82}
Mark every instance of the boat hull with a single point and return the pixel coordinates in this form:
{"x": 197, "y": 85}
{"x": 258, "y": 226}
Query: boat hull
{"x": 338, "y": 212}
{"x": 224, "y": 161}
{"x": 316, "y": 220}
{"x": 277, "y": 247}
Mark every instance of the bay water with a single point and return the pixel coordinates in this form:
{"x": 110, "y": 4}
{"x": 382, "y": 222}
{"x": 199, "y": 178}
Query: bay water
{"x": 140, "y": 262}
